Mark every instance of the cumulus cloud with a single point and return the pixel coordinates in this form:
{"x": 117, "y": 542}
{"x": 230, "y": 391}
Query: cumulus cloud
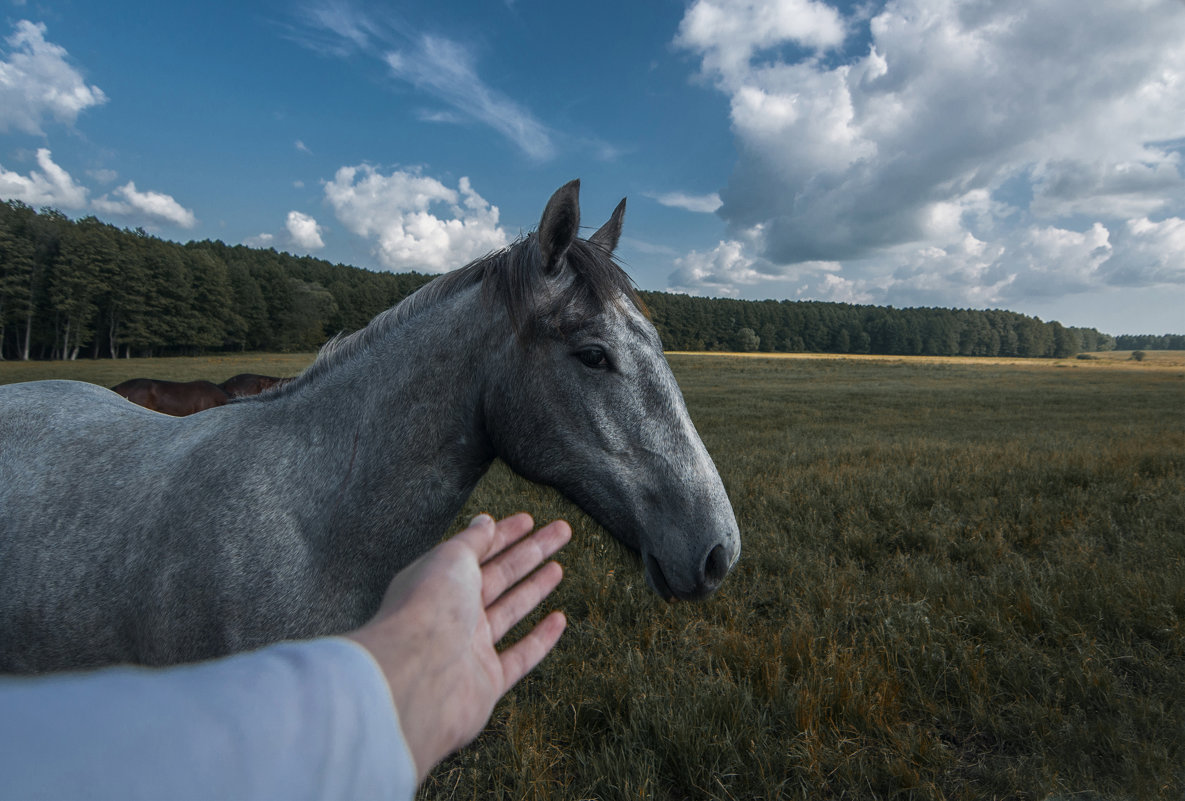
{"x": 1046, "y": 131}
{"x": 730, "y": 32}
{"x": 37, "y": 82}
{"x": 49, "y": 186}
{"x": 304, "y": 231}
{"x": 717, "y": 272}
{"x": 416, "y": 222}
{"x": 155, "y": 207}
{"x": 1148, "y": 253}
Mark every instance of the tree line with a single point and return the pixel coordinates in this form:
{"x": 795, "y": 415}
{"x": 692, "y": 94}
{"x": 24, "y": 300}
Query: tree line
{"x": 71, "y": 288}
{"x": 692, "y": 323}
{"x": 1150, "y": 342}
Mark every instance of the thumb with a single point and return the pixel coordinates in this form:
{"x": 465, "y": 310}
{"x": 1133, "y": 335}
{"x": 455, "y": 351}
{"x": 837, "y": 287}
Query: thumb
{"x": 478, "y": 536}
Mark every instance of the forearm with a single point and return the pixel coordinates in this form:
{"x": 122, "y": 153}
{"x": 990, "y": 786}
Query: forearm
{"x": 297, "y": 720}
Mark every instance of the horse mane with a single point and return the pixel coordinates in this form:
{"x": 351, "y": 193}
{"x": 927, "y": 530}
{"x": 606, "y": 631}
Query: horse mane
{"x": 510, "y": 277}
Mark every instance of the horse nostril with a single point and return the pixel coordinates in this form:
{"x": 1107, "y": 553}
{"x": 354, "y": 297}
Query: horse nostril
{"x": 716, "y": 567}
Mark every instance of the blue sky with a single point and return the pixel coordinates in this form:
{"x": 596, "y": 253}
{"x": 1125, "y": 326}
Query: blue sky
{"x": 1019, "y": 154}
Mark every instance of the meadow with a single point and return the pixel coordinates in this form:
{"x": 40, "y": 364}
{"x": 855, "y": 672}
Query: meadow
{"x": 960, "y": 579}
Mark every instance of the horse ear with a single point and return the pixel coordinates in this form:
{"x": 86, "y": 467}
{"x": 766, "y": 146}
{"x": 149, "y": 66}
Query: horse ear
{"x": 558, "y": 226}
{"x": 608, "y": 234}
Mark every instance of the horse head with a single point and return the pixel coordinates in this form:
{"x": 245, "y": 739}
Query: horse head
{"x": 582, "y": 399}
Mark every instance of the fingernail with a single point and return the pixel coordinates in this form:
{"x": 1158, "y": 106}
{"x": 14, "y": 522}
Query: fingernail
{"x": 481, "y": 520}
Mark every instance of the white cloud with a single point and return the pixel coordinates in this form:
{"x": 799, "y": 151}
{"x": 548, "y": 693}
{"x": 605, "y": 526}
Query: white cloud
{"x": 1122, "y": 189}
{"x": 103, "y": 176}
{"x": 37, "y": 82}
{"x": 336, "y": 28}
{"x": 304, "y": 231}
{"x": 970, "y": 270}
{"x": 717, "y": 272}
{"x": 1147, "y": 253}
{"x": 436, "y": 65}
{"x": 416, "y": 222}
{"x": 447, "y": 71}
{"x": 53, "y": 186}
{"x": 705, "y": 204}
{"x": 155, "y": 206}
{"x": 953, "y": 153}
{"x": 731, "y": 32}
{"x": 1061, "y": 261}
{"x": 302, "y": 147}
{"x": 260, "y": 241}
{"x": 49, "y": 186}
{"x": 842, "y": 290}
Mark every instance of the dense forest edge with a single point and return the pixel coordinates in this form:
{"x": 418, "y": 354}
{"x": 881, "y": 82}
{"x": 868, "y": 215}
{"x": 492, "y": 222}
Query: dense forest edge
{"x": 71, "y": 288}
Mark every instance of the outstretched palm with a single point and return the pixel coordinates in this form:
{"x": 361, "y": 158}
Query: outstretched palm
{"x": 436, "y": 633}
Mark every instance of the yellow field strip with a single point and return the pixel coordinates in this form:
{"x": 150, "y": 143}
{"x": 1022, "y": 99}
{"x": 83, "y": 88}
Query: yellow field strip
{"x": 1153, "y": 360}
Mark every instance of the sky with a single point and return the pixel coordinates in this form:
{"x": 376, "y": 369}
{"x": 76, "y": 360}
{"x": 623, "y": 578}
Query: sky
{"x": 1014, "y": 154}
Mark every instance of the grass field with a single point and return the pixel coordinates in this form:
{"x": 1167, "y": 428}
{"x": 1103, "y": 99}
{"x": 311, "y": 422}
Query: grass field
{"x": 960, "y": 579}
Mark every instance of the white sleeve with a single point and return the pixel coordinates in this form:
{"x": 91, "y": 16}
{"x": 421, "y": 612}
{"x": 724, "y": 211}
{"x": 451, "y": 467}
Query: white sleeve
{"x": 291, "y": 721}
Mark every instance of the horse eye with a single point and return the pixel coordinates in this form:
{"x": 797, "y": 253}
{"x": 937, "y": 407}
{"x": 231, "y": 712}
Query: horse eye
{"x": 593, "y": 357}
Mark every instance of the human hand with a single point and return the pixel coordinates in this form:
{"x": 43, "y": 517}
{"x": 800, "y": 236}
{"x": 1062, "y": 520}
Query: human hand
{"x": 435, "y": 633}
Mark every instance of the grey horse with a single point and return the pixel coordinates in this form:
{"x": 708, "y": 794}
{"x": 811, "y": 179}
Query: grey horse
{"x": 131, "y": 536}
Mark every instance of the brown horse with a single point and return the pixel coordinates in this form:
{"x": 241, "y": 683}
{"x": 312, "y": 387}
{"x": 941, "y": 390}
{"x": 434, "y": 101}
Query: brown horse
{"x": 250, "y": 384}
{"x": 177, "y": 398}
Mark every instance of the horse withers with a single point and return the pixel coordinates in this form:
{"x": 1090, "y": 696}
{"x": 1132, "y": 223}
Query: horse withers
{"x": 128, "y": 536}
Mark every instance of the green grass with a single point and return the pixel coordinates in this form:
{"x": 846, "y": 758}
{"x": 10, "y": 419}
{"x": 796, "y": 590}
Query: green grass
{"x": 958, "y": 580}
{"x": 109, "y": 372}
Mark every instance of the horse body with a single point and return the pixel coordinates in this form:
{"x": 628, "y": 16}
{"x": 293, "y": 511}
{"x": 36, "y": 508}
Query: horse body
{"x": 178, "y": 398}
{"x": 299, "y": 535}
{"x": 129, "y": 536}
{"x": 245, "y": 384}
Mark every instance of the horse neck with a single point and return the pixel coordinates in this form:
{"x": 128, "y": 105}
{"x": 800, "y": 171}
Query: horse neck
{"x": 405, "y": 413}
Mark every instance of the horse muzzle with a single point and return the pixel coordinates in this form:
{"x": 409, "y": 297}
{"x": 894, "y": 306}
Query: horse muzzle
{"x": 708, "y": 577}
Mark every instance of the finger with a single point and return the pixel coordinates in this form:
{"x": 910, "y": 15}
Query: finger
{"x": 522, "y": 599}
{"x": 508, "y": 568}
{"x": 522, "y": 657}
{"x": 508, "y": 531}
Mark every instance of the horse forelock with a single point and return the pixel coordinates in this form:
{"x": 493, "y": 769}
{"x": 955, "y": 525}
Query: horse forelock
{"x": 511, "y": 277}
{"x": 592, "y": 282}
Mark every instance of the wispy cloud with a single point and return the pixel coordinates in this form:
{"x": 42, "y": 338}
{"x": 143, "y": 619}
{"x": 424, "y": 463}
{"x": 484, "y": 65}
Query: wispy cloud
{"x": 705, "y": 204}
{"x": 446, "y": 70}
{"x": 335, "y": 29}
{"x": 440, "y": 67}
